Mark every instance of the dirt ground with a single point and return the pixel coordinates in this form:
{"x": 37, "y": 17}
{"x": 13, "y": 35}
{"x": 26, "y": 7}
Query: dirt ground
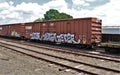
{"x": 14, "y": 63}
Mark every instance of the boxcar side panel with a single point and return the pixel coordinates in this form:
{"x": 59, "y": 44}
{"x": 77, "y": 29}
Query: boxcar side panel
{"x": 77, "y": 31}
{"x": 4, "y": 30}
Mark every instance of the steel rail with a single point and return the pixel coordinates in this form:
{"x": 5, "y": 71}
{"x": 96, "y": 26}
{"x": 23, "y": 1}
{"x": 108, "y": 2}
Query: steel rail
{"x": 107, "y": 69}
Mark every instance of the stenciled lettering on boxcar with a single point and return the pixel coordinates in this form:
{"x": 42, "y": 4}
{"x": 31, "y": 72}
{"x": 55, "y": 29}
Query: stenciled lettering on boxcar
{"x": 53, "y": 37}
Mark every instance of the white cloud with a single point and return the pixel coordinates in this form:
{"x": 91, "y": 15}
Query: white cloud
{"x": 11, "y": 2}
{"x": 4, "y": 5}
{"x": 4, "y": 12}
{"x": 32, "y": 10}
{"x": 56, "y": 4}
{"x": 17, "y": 12}
{"x": 13, "y": 15}
{"x": 90, "y": 0}
{"x": 111, "y": 11}
{"x": 26, "y": 12}
{"x": 27, "y": 7}
{"x": 86, "y": 4}
{"x": 78, "y": 2}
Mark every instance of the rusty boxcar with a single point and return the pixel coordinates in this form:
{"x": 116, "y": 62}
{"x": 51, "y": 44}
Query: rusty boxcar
{"x": 84, "y": 31}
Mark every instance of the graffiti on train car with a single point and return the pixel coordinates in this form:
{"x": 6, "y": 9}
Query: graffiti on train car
{"x": 15, "y": 34}
{"x": 53, "y": 37}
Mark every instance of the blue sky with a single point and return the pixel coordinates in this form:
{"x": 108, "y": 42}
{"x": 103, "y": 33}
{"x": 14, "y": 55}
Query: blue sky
{"x": 15, "y": 11}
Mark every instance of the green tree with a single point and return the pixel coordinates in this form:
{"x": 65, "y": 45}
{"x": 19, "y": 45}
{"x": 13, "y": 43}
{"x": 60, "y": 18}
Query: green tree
{"x": 54, "y": 14}
{"x": 64, "y": 16}
{"x": 38, "y": 20}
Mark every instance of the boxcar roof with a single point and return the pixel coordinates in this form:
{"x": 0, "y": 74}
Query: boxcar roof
{"x": 49, "y": 21}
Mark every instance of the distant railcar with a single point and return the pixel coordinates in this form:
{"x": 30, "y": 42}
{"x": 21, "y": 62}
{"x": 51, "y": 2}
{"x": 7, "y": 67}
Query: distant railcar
{"x": 110, "y": 37}
{"x": 82, "y": 31}
{"x": 111, "y": 42}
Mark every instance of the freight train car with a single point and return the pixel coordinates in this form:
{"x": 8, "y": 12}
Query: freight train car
{"x": 80, "y": 31}
{"x": 111, "y": 42}
{"x": 110, "y": 37}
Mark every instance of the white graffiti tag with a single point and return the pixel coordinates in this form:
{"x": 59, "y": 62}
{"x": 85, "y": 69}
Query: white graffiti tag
{"x": 35, "y": 35}
{"x": 53, "y": 37}
{"x": 49, "y": 37}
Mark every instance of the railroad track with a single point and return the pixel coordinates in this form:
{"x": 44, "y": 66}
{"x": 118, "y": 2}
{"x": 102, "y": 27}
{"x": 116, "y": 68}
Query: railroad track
{"x": 70, "y": 51}
{"x": 73, "y": 64}
{"x": 78, "y": 52}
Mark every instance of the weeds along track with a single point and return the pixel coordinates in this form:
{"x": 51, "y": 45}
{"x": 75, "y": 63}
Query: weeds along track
{"x": 59, "y": 60}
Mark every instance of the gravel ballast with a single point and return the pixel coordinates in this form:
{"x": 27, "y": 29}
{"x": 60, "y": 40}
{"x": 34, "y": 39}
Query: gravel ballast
{"x": 14, "y": 63}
